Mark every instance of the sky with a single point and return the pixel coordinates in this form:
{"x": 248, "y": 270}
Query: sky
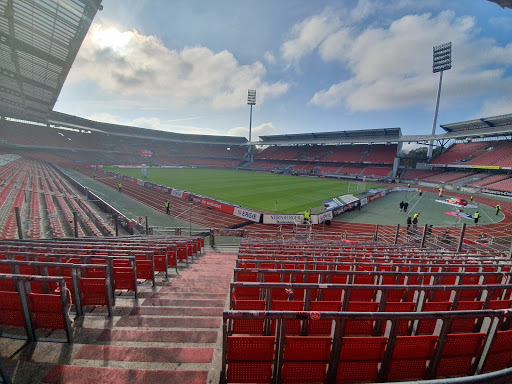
{"x": 317, "y": 66}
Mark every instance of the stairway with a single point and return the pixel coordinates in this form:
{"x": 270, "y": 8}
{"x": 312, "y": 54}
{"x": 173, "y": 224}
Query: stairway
{"x": 173, "y": 336}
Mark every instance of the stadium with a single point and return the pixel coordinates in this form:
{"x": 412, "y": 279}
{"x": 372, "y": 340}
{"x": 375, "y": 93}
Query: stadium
{"x": 133, "y": 255}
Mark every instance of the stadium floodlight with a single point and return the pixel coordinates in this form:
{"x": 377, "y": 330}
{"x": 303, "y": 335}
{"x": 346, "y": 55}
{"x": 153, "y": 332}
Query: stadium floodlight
{"x": 442, "y": 61}
{"x": 251, "y": 100}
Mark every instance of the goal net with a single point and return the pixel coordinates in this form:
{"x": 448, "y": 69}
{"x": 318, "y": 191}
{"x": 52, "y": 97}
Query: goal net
{"x": 354, "y": 187}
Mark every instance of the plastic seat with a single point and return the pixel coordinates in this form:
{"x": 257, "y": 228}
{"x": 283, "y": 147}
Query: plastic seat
{"x": 458, "y": 354}
{"x": 410, "y": 357}
{"x": 144, "y": 270}
{"x": 403, "y": 325}
{"x": 322, "y": 327}
{"x": 500, "y": 354}
{"x": 334, "y": 294}
{"x": 471, "y": 294}
{"x": 123, "y": 278}
{"x": 466, "y": 325}
{"x": 94, "y": 291}
{"x": 360, "y": 358}
{"x": 292, "y": 327}
{"x": 10, "y": 309}
{"x": 360, "y": 327}
{"x": 363, "y": 294}
{"x": 242, "y": 293}
{"x": 427, "y": 327}
{"x": 248, "y": 326}
{"x": 250, "y": 359}
{"x": 247, "y": 276}
{"x": 305, "y": 359}
{"x": 46, "y": 311}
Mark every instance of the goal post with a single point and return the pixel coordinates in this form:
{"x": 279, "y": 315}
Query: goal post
{"x": 356, "y": 186}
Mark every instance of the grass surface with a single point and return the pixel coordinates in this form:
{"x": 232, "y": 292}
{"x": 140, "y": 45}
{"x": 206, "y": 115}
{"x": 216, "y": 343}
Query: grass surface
{"x": 249, "y": 189}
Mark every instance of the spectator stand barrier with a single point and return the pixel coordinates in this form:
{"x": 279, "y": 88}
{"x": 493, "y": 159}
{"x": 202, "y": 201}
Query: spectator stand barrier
{"x": 147, "y": 261}
{"x": 95, "y": 291}
{"x": 121, "y": 271}
{"x": 364, "y": 298}
{"x": 343, "y": 248}
{"x": 161, "y": 247}
{"x": 337, "y": 358}
{"x": 366, "y": 255}
{"x": 21, "y": 308}
{"x": 372, "y": 265}
{"x": 183, "y": 246}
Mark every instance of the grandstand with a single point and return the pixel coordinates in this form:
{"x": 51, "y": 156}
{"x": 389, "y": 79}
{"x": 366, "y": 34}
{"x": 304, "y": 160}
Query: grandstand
{"x": 88, "y": 292}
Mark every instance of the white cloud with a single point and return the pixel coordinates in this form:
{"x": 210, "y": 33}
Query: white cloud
{"x": 261, "y": 130}
{"x": 391, "y": 67}
{"x": 308, "y": 35}
{"x": 155, "y": 123}
{"x": 363, "y": 9}
{"x": 496, "y": 107}
{"x": 128, "y": 63}
{"x": 269, "y": 57}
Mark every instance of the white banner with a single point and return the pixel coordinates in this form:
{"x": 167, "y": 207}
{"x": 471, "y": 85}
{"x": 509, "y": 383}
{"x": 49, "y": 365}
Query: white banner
{"x": 140, "y": 182}
{"x": 319, "y": 219}
{"x": 177, "y": 193}
{"x": 282, "y": 219}
{"x": 247, "y": 214}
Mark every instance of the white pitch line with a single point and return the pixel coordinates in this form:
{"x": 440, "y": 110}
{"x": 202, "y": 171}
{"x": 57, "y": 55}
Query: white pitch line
{"x": 485, "y": 213}
{"x": 414, "y": 205}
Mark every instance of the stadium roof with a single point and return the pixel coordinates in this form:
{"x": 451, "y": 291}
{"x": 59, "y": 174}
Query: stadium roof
{"x": 39, "y": 40}
{"x": 488, "y": 126}
{"x": 503, "y": 3}
{"x": 70, "y": 121}
{"x": 382, "y": 135}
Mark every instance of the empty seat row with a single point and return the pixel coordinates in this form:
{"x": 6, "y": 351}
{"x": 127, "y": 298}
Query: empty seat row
{"x": 22, "y": 308}
{"x": 342, "y": 359}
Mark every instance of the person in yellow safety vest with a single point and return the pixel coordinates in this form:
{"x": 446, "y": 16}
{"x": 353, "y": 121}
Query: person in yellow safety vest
{"x": 471, "y": 197}
{"x": 421, "y": 192}
{"x": 408, "y": 185}
{"x": 119, "y": 187}
{"x": 476, "y": 217}
{"x": 167, "y": 207}
{"x": 307, "y": 216}
{"x": 498, "y": 208}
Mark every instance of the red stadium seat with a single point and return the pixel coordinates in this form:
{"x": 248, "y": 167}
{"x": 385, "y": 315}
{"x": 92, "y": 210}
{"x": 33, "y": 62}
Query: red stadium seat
{"x": 248, "y": 326}
{"x": 94, "y": 291}
{"x": 410, "y": 357}
{"x": 500, "y": 354}
{"x": 46, "y": 311}
{"x": 10, "y": 309}
{"x": 360, "y": 358}
{"x": 305, "y": 359}
{"x": 360, "y": 327}
{"x": 427, "y": 327}
{"x": 292, "y": 326}
{"x": 250, "y": 359}
{"x": 322, "y": 327}
{"x": 458, "y": 354}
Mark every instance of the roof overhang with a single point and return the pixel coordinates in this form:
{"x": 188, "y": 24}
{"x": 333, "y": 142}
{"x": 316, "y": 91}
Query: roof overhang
{"x": 39, "y": 41}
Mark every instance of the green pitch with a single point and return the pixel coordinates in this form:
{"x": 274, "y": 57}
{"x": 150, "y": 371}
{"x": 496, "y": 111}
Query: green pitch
{"x": 249, "y": 189}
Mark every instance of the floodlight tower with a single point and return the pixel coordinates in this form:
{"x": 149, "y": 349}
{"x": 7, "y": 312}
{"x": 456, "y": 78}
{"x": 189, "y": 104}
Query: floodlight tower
{"x": 251, "y": 100}
{"x": 442, "y": 61}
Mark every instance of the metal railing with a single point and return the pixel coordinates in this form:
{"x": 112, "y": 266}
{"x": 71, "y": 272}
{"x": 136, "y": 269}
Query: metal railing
{"x": 483, "y": 349}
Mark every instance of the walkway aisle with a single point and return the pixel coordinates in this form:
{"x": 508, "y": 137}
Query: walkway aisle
{"x": 170, "y": 338}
